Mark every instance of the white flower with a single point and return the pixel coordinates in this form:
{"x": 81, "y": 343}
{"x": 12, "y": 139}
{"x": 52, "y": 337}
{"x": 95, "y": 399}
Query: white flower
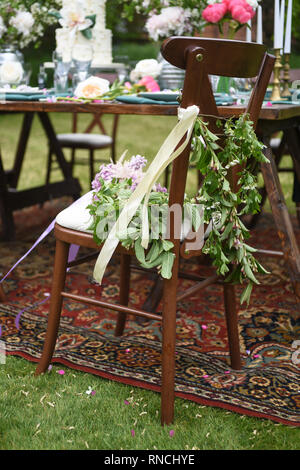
{"x": 11, "y": 72}
{"x": 92, "y": 87}
{"x": 2, "y": 27}
{"x": 171, "y": 20}
{"x": 73, "y": 17}
{"x": 23, "y": 22}
{"x": 253, "y": 3}
{"x": 144, "y": 68}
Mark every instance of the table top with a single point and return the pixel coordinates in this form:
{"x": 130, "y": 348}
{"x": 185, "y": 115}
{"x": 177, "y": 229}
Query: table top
{"x": 274, "y": 112}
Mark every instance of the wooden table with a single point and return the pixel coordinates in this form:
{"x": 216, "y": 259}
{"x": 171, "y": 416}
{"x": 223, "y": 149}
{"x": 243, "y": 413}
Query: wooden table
{"x": 272, "y": 119}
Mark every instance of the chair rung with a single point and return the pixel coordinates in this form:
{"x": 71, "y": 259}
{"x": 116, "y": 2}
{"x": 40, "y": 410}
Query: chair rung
{"x": 119, "y": 308}
{"x": 278, "y": 254}
{"x": 83, "y": 259}
{"x": 200, "y": 285}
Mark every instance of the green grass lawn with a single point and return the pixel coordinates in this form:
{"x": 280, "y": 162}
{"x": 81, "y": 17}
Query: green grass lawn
{"x": 54, "y": 411}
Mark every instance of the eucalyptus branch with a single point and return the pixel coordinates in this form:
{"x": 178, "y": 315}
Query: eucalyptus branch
{"x": 233, "y": 258}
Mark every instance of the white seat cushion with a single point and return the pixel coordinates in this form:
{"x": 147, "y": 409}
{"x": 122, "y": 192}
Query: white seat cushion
{"x": 77, "y": 216}
{"x": 84, "y": 140}
{"x": 275, "y": 142}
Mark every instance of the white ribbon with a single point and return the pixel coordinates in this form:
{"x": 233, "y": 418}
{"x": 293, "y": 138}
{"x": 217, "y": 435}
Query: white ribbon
{"x": 166, "y": 154}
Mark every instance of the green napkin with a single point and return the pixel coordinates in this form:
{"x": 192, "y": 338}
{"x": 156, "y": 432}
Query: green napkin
{"x": 131, "y": 99}
{"x": 221, "y": 100}
{"x": 21, "y": 97}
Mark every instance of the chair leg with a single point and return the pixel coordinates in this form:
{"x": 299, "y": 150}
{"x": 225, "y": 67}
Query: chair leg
{"x": 59, "y": 276}
{"x": 168, "y": 350}
{"x": 298, "y": 212}
{"x": 91, "y": 164}
{"x": 72, "y": 161}
{"x": 49, "y": 166}
{"x": 232, "y": 325}
{"x": 124, "y": 292}
{"x": 2, "y": 295}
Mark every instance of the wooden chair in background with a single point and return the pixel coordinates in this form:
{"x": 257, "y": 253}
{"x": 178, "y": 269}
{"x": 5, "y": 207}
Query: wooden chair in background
{"x": 87, "y": 141}
{"x": 199, "y": 57}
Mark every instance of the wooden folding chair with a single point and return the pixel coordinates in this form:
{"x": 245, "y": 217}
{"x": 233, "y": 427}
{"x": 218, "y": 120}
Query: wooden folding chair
{"x": 199, "y": 57}
{"x": 86, "y": 140}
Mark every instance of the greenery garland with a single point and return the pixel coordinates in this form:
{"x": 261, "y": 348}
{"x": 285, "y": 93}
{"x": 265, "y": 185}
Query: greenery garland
{"x": 222, "y": 207}
{"x": 226, "y": 245}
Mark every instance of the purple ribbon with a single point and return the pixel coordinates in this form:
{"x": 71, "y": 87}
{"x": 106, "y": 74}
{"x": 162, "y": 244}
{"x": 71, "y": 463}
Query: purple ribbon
{"x": 72, "y": 255}
{"x": 44, "y": 234}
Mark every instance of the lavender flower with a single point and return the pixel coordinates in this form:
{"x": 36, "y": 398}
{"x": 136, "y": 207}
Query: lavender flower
{"x": 160, "y": 189}
{"x": 132, "y": 170}
{"x": 96, "y": 185}
{"x": 137, "y": 162}
{"x": 108, "y": 172}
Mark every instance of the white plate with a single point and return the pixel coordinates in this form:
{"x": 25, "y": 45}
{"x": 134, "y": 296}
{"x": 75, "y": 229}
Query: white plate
{"x": 33, "y": 91}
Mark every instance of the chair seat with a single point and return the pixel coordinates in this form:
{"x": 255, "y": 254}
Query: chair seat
{"x": 90, "y": 141}
{"x": 77, "y": 216}
{"x": 275, "y": 142}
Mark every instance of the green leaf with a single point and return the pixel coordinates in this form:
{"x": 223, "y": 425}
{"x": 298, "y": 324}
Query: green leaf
{"x": 260, "y": 268}
{"x": 249, "y": 272}
{"x": 87, "y": 33}
{"x": 139, "y": 251}
{"x": 245, "y": 297}
{"x": 154, "y": 252}
{"x": 167, "y": 264}
{"x": 167, "y": 245}
{"x": 56, "y": 14}
{"x": 93, "y": 20}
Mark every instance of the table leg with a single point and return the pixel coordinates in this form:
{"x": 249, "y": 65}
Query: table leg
{"x": 282, "y": 219}
{"x": 5, "y": 209}
{"x": 53, "y": 142}
{"x": 12, "y": 199}
{"x": 14, "y": 174}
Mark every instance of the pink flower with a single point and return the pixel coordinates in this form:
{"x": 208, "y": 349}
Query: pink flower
{"x": 149, "y": 83}
{"x": 240, "y": 10}
{"x": 215, "y": 12}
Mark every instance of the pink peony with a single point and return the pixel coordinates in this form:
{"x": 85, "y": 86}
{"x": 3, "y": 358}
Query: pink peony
{"x": 240, "y": 10}
{"x": 215, "y": 12}
{"x": 149, "y": 83}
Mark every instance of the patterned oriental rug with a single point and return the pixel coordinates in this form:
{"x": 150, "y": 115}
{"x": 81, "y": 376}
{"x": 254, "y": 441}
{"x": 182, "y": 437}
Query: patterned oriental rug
{"x": 268, "y": 386}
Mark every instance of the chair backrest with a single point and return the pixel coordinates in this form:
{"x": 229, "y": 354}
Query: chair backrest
{"x": 201, "y": 57}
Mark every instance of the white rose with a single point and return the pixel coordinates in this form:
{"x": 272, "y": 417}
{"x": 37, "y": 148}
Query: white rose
{"x": 11, "y": 72}
{"x": 23, "y": 22}
{"x": 146, "y": 67}
{"x": 92, "y": 87}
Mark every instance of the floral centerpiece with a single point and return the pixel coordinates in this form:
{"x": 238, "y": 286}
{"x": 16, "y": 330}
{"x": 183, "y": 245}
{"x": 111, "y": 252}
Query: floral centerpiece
{"x": 236, "y": 13}
{"x": 189, "y": 17}
{"x": 23, "y": 22}
{"x": 167, "y": 17}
